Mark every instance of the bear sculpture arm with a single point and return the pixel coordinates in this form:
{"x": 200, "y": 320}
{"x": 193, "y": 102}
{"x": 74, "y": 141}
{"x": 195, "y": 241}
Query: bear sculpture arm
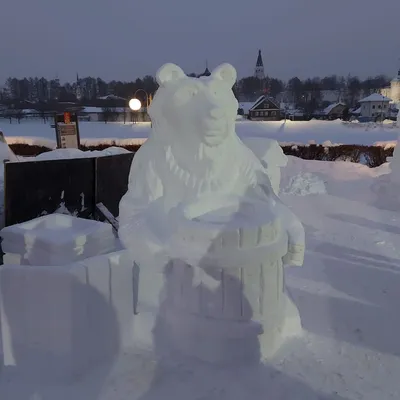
{"x": 296, "y": 236}
{"x": 291, "y": 224}
{"x": 144, "y": 187}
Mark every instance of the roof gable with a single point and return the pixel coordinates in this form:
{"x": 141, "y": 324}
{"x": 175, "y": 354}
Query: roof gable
{"x": 375, "y": 97}
{"x": 264, "y": 103}
{"x": 335, "y": 107}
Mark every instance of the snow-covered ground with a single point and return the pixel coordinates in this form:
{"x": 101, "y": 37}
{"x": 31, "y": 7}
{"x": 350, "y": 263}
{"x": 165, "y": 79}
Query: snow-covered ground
{"x": 300, "y": 132}
{"x": 347, "y": 293}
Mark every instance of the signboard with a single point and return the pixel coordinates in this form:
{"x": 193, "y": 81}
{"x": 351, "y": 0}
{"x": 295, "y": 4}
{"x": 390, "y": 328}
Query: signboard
{"x": 67, "y": 130}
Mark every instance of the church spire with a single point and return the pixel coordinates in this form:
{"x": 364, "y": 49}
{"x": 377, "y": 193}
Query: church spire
{"x": 259, "y": 60}
{"x": 259, "y": 70}
{"x": 206, "y": 72}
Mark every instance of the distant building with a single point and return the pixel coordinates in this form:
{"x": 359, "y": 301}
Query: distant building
{"x": 393, "y": 91}
{"x": 206, "y": 72}
{"x": 333, "y": 111}
{"x": 78, "y": 88}
{"x": 265, "y": 109}
{"x": 259, "y": 70}
{"x": 375, "y": 106}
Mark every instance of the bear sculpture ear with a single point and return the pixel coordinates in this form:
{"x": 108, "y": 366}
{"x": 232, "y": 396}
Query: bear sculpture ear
{"x": 169, "y": 72}
{"x": 225, "y": 72}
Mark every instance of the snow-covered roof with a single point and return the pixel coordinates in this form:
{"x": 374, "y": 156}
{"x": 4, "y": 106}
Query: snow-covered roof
{"x": 111, "y": 97}
{"x": 260, "y": 100}
{"x": 29, "y": 111}
{"x": 375, "y": 97}
{"x": 257, "y": 102}
{"x": 328, "y": 109}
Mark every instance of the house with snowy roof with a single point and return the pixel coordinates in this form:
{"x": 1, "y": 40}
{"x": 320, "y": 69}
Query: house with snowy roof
{"x": 265, "y": 109}
{"x": 334, "y": 111}
{"x": 375, "y": 106}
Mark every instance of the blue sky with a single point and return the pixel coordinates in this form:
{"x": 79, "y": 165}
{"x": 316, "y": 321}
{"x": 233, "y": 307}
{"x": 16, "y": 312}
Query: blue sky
{"x": 125, "y": 39}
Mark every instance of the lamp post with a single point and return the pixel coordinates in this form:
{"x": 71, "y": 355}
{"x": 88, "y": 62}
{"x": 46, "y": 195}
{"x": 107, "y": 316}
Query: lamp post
{"x": 134, "y": 101}
{"x": 147, "y": 96}
{"x": 135, "y": 104}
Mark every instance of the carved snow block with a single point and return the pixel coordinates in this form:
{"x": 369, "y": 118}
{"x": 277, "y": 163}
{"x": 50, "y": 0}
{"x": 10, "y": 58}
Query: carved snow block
{"x": 65, "y": 320}
{"x": 243, "y": 315}
{"x": 111, "y": 275}
{"x": 46, "y": 313}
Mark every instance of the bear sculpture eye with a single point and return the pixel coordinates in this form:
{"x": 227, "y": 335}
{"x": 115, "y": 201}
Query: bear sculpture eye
{"x": 185, "y": 94}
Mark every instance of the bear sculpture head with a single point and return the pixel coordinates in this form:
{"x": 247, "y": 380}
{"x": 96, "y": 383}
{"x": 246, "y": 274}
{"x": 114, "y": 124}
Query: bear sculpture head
{"x": 201, "y": 109}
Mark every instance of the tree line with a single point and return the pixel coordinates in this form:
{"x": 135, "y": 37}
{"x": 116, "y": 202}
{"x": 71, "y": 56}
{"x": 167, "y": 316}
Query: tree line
{"x": 310, "y": 90}
{"x": 88, "y": 90}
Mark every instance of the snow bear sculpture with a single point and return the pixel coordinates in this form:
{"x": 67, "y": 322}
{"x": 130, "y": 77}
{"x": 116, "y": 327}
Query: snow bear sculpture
{"x": 199, "y": 198}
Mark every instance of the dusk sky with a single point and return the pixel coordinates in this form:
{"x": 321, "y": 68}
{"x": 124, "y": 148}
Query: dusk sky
{"x": 126, "y": 39}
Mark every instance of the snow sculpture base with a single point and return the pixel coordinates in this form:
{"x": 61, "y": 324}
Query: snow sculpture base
{"x": 230, "y": 325}
{"x": 204, "y": 222}
{"x": 227, "y": 302}
{"x": 60, "y": 322}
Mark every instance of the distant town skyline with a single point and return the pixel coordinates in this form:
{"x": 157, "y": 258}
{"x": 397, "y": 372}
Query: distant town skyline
{"x": 125, "y": 40}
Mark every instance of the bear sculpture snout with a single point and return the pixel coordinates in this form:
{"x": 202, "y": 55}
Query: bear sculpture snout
{"x": 217, "y": 113}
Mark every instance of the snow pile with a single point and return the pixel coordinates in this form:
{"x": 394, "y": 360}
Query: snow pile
{"x": 56, "y": 240}
{"x": 347, "y": 294}
{"x": 305, "y": 184}
{"x": 60, "y": 154}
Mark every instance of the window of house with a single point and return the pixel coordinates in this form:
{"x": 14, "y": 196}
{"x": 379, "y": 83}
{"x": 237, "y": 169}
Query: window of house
{"x": 266, "y": 113}
{"x": 379, "y": 106}
{"x": 273, "y": 113}
{"x": 373, "y": 107}
{"x": 266, "y": 105}
{"x": 384, "y": 106}
{"x": 257, "y": 113}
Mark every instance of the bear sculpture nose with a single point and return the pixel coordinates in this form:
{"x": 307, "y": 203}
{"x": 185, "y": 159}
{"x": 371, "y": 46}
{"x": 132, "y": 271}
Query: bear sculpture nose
{"x": 217, "y": 113}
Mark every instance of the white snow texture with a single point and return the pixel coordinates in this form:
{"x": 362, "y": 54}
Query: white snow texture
{"x": 200, "y": 214}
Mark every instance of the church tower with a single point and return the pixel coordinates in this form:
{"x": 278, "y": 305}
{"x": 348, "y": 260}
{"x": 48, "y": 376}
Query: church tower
{"x": 206, "y": 72}
{"x": 259, "y": 71}
{"x": 395, "y": 88}
{"x": 78, "y": 90}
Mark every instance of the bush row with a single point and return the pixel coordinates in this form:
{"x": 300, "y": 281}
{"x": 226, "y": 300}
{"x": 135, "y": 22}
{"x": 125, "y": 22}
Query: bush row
{"x": 373, "y": 156}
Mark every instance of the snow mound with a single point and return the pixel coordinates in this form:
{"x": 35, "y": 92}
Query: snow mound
{"x": 305, "y": 184}
{"x": 62, "y": 154}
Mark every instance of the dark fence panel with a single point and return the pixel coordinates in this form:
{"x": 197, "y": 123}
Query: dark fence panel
{"x": 32, "y": 189}
{"x": 112, "y": 175}
{"x": 35, "y": 188}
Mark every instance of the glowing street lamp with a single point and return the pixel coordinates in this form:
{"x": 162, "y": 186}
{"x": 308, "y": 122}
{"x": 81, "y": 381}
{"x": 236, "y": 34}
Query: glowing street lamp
{"x": 135, "y": 104}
